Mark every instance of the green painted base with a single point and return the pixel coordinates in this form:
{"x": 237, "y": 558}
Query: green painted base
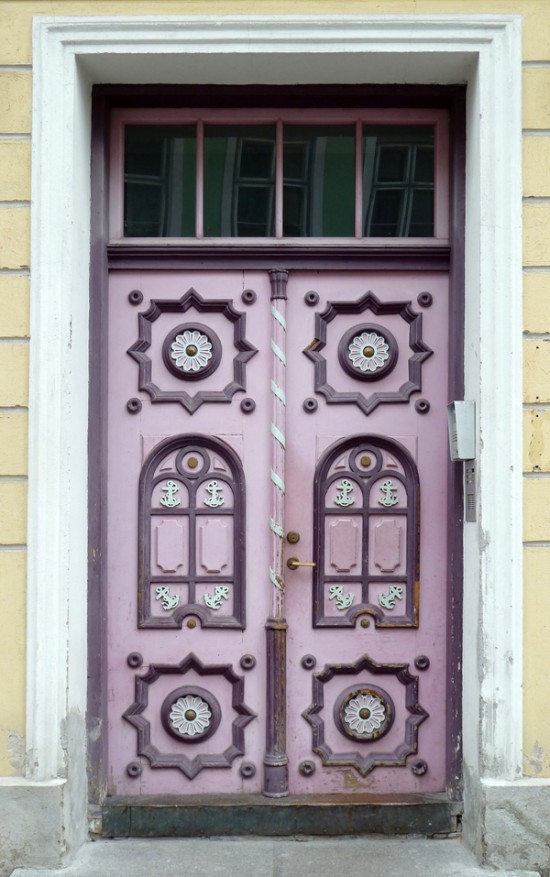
{"x": 222, "y": 815}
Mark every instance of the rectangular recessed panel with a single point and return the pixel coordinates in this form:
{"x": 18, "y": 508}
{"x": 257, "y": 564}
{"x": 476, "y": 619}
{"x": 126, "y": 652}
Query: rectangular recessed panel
{"x": 214, "y": 540}
{"x": 343, "y": 545}
{"x": 387, "y": 544}
{"x": 170, "y": 552}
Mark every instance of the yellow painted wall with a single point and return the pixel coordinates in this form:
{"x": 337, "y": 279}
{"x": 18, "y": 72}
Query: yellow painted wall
{"x": 15, "y": 126}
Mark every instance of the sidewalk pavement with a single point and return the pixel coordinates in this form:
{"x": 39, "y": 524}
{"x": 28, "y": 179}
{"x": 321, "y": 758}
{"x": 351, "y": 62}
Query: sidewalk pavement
{"x": 268, "y": 857}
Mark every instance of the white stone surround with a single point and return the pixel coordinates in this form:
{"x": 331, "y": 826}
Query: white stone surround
{"x": 70, "y": 54}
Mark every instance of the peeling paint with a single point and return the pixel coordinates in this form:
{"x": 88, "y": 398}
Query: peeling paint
{"x": 16, "y": 751}
{"x": 535, "y": 761}
{"x": 484, "y": 540}
{"x": 94, "y": 731}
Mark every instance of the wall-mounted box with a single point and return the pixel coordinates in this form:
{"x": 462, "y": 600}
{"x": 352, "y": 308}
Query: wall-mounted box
{"x": 462, "y": 430}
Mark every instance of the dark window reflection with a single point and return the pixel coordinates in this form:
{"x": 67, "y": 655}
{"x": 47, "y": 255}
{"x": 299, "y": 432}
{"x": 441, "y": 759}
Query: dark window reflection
{"x": 398, "y": 180}
{"x": 159, "y": 181}
{"x": 319, "y": 181}
{"x": 239, "y": 180}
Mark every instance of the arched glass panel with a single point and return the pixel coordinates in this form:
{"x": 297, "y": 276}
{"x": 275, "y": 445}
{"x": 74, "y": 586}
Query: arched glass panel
{"x": 191, "y": 540}
{"x": 367, "y": 507}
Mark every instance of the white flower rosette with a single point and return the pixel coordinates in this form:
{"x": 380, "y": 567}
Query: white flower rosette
{"x": 191, "y": 351}
{"x": 369, "y": 352}
{"x": 365, "y": 714}
{"x": 190, "y": 716}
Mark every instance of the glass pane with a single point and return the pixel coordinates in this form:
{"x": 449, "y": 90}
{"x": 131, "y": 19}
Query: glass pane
{"x": 239, "y": 180}
{"x": 422, "y": 216}
{"x": 319, "y": 181}
{"x": 398, "y": 180}
{"x": 392, "y": 164}
{"x": 424, "y": 165}
{"x": 386, "y": 211}
{"x": 159, "y": 181}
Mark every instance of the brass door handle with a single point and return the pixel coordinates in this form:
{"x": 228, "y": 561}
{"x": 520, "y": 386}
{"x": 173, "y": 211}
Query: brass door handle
{"x": 294, "y": 563}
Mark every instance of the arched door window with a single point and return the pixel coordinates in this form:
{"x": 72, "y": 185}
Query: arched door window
{"x": 367, "y": 508}
{"x": 191, "y": 555}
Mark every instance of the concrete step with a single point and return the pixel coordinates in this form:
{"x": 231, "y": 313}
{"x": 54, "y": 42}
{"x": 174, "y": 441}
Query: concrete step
{"x": 277, "y": 857}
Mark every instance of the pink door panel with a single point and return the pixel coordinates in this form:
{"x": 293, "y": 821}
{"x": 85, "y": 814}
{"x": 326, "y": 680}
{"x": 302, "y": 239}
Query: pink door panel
{"x": 187, "y": 598}
{"x": 368, "y": 468}
{"x": 243, "y": 406}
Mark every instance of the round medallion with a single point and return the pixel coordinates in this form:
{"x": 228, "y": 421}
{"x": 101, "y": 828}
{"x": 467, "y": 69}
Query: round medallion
{"x": 310, "y": 405}
{"x": 365, "y": 460}
{"x": 248, "y": 662}
{"x": 191, "y": 351}
{"x": 425, "y": 299}
{"x": 134, "y": 659}
{"x": 368, "y": 352}
{"x": 190, "y": 714}
{"x": 308, "y": 662}
{"x": 364, "y": 713}
{"x": 421, "y": 662}
{"x": 134, "y": 406}
{"x": 307, "y": 768}
{"x": 422, "y": 406}
{"x": 419, "y": 767}
{"x": 311, "y": 298}
{"x": 248, "y": 406}
{"x": 192, "y": 462}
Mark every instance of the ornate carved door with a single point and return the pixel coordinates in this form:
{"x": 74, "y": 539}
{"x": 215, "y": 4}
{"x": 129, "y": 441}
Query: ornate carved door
{"x": 277, "y": 526}
{"x": 366, "y": 470}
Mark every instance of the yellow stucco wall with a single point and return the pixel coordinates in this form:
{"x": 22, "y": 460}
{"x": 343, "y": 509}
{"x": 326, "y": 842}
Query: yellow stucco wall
{"x": 15, "y": 128}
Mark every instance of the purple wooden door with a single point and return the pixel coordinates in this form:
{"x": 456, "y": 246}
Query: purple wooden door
{"x": 367, "y": 470}
{"x": 255, "y": 417}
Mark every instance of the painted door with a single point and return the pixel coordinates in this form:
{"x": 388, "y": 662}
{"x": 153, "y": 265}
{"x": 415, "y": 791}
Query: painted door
{"x": 259, "y": 421}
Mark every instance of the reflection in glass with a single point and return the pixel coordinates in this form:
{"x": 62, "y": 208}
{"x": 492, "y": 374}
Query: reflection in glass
{"x": 318, "y": 180}
{"x": 398, "y": 180}
{"x": 239, "y": 180}
{"x": 159, "y": 181}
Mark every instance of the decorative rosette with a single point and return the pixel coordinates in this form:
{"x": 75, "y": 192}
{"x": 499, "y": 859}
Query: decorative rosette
{"x": 191, "y": 351}
{"x": 365, "y": 714}
{"x": 369, "y": 352}
{"x": 190, "y": 716}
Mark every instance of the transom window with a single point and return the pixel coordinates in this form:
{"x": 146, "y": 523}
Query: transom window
{"x": 290, "y": 175}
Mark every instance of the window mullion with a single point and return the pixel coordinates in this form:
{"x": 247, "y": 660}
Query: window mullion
{"x": 358, "y": 179}
{"x": 279, "y": 179}
{"x": 199, "y": 188}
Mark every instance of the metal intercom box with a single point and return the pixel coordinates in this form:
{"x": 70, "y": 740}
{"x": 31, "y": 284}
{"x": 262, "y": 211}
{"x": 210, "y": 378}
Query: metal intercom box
{"x": 462, "y": 430}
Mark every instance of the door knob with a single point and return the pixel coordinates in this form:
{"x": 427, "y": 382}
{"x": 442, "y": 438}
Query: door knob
{"x": 294, "y": 563}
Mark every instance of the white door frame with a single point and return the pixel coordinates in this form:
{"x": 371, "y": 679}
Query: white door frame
{"x": 71, "y": 54}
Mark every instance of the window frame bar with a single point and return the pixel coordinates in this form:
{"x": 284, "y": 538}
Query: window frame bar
{"x": 439, "y": 118}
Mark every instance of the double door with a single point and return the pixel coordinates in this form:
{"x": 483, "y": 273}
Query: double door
{"x": 277, "y": 564}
